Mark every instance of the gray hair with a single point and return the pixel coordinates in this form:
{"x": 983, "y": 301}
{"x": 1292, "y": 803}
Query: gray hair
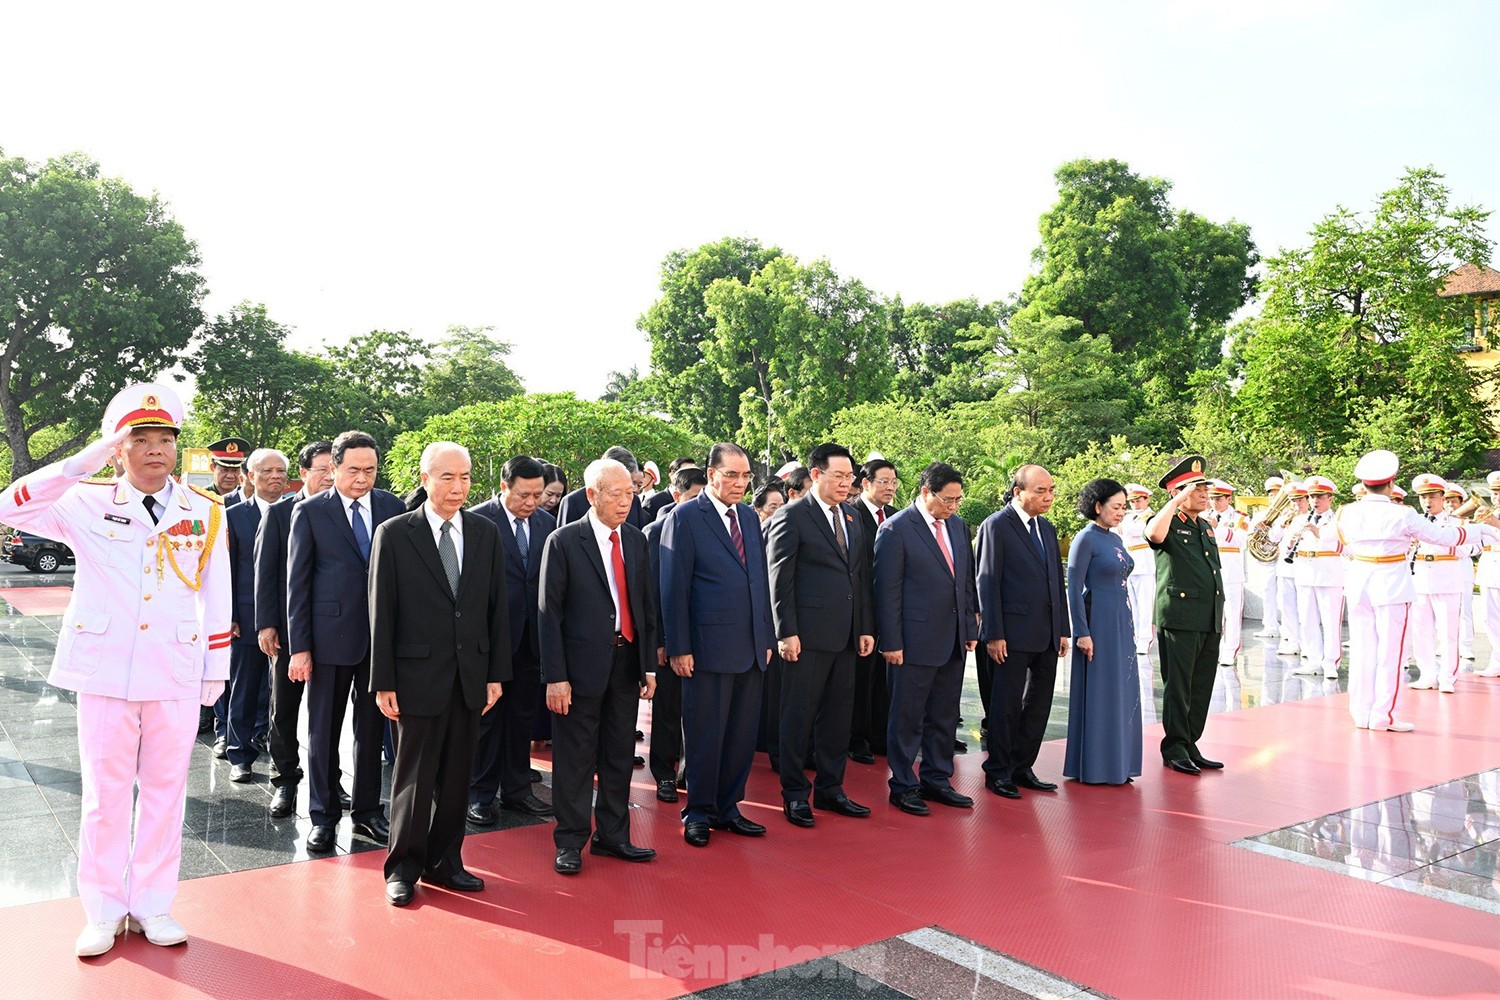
{"x": 599, "y": 468}
{"x": 259, "y": 455}
{"x": 432, "y": 451}
{"x": 624, "y": 456}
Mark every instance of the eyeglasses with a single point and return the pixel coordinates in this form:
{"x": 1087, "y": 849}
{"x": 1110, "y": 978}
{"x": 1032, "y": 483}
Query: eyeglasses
{"x": 949, "y": 501}
{"x": 839, "y": 477}
{"x": 886, "y": 482}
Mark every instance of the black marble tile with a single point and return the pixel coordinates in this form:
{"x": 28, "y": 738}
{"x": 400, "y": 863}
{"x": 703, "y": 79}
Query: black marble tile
{"x": 13, "y": 775}
{"x": 36, "y": 833}
{"x": 198, "y": 860}
{"x": 819, "y": 979}
{"x": 46, "y": 747}
{"x": 56, "y": 772}
{"x": 1481, "y": 862}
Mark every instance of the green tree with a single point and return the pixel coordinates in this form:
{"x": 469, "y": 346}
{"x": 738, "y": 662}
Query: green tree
{"x": 558, "y": 427}
{"x": 1115, "y": 459}
{"x": 98, "y": 288}
{"x": 678, "y": 325}
{"x": 943, "y": 353}
{"x": 374, "y": 383}
{"x": 468, "y": 366}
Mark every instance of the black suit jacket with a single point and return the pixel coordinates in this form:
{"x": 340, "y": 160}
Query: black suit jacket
{"x": 271, "y": 538}
{"x": 522, "y": 579}
{"x": 327, "y": 582}
{"x": 422, "y": 638}
{"x": 578, "y": 615}
{"x": 657, "y": 505}
{"x": 576, "y": 504}
{"x": 817, "y": 594}
{"x": 1023, "y": 596}
{"x": 242, "y": 521}
{"x": 867, "y": 521}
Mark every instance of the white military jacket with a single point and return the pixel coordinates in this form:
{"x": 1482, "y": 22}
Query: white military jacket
{"x": 1231, "y": 532}
{"x": 1488, "y": 573}
{"x": 1377, "y": 535}
{"x": 1440, "y": 569}
{"x": 149, "y": 616}
{"x": 1132, "y": 531}
{"x": 1319, "y": 558}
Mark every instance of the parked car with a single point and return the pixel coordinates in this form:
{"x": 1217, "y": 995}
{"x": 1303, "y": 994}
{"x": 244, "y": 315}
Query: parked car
{"x": 38, "y": 554}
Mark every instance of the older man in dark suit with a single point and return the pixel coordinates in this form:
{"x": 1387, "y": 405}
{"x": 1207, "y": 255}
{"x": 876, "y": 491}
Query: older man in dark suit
{"x": 1024, "y": 603}
{"x": 315, "y": 468}
{"x": 328, "y": 633}
{"x": 716, "y": 607}
{"x": 821, "y": 605}
{"x": 872, "y": 699}
{"x": 439, "y": 654}
{"x": 927, "y": 615}
{"x": 598, "y": 637}
{"x": 502, "y": 756}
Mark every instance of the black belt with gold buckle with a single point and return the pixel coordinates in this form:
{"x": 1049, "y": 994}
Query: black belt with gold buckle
{"x": 620, "y": 640}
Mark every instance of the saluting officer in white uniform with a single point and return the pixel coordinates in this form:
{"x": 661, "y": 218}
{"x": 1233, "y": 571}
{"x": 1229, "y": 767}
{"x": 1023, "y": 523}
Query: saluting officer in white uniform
{"x": 1454, "y": 497}
{"x": 1141, "y": 584}
{"x": 1270, "y": 611}
{"x": 1231, "y": 531}
{"x": 1320, "y": 583}
{"x": 1488, "y": 577}
{"x": 1439, "y": 579}
{"x": 1286, "y": 538}
{"x": 144, "y": 642}
{"x": 1377, "y": 535}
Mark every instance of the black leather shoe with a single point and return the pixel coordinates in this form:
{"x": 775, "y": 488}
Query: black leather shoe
{"x": 639, "y": 735}
{"x": 241, "y": 773}
{"x": 568, "y": 861}
{"x": 947, "y": 796}
{"x": 862, "y": 756}
{"x": 625, "y": 852}
{"x": 696, "y": 834}
{"x": 1204, "y": 764}
{"x": 261, "y": 743}
{"x": 320, "y": 840}
{"x": 1027, "y": 778}
{"x": 375, "y": 828}
{"x": 1182, "y": 765}
{"x": 843, "y": 805}
{"x": 283, "y": 801}
{"x": 221, "y": 748}
{"x": 798, "y": 813}
{"x": 742, "y": 826}
{"x": 959, "y": 746}
{"x": 666, "y": 791}
{"x": 399, "y": 893}
{"x": 536, "y": 776}
{"x": 1003, "y": 787}
{"x": 639, "y": 761}
{"x": 481, "y": 814}
{"x": 345, "y": 802}
{"x": 530, "y": 804}
{"x": 459, "y": 881}
{"x": 910, "y": 802}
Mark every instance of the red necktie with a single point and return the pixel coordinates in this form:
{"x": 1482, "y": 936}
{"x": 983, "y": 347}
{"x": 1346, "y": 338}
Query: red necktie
{"x": 734, "y": 534}
{"x": 942, "y": 540}
{"x": 617, "y": 558}
{"x": 880, "y": 516}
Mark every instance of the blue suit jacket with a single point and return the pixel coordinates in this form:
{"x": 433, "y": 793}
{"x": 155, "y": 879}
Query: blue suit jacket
{"x": 522, "y": 580}
{"x": 242, "y": 521}
{"x": 921, "y": 608}
{"x": 713, "y": 606}
{"x": 1023, "y": 595}
{"x": 327, "y": 598}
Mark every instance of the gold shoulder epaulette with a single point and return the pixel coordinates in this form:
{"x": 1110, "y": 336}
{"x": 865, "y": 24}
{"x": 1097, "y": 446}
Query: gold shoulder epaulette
{"x": 97, "y": 482}
{"x": 204, "y": 493}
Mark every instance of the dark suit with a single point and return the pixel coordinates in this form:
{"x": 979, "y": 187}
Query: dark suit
{"x": 666, "y": 704}
{"x": 271, "y": 539}
{"x": 822, "y": 596}
{"x": 437, "y": 652}
{"x": 328, "y": 614}
{"x": 502, "y": 756}
{"x": 1188, "y": 612}
{"x": 928, "y": 612}
{"x": 582, "y": 645}
{"x": 249, "y": 673}
{"x": 655, "y": 506}
{"x": 718, "y": 609}
{"x": 872, "y": 699}
{"x": 576, "y": 504}
{"x": 1023, "y": 600}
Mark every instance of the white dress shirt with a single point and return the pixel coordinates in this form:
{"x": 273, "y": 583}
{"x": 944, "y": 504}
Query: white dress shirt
{"x": 435, "y": 522}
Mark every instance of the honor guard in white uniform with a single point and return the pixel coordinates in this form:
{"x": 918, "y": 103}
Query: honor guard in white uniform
{"x": 1438, "y": 579}
{"x": 1286, "y": 538}
{"x": 1377, "y": 534}
{"x": 144, "y": 642}
{"x": 1454, "y": 497}
{"x": 1141, "y": 584}
{"x": 1231, "y": 532}
{"x": 1488, "y": 577}
{"x": 1270, "y": 611}
{"x": 1320, "y": 583}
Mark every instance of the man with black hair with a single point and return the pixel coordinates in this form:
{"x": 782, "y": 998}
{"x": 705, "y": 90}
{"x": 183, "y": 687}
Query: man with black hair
{"x": 659, "y": 502}
{"x": 872, "y": 699}
{"x": 821, "y": 606}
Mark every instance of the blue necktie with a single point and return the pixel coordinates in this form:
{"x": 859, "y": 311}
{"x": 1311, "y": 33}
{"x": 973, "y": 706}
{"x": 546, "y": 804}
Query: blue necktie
{"x": 1037, "y": 538}
{"x": 523, "y": 539}
{"x": 361, "y": 533}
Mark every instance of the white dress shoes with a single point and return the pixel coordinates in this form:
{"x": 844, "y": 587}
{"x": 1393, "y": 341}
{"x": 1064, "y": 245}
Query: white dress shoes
{"x": 96, "y": 939}
{"x": 162, "y": 930}
{"x": 1396, "y": 727}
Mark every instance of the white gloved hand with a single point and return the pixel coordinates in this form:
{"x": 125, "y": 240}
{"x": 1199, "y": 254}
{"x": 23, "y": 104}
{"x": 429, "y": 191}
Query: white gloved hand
{"x": 210, "y": 692}
{"x": 94, "y": 457}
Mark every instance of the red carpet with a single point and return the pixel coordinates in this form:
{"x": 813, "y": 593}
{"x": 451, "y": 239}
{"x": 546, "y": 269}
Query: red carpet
{"x": 1131, "y": 891}
{"x": 33, "y": 601}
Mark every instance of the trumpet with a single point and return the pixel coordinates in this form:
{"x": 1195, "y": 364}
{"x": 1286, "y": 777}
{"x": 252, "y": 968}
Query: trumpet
{"x": 1280, "y": 512}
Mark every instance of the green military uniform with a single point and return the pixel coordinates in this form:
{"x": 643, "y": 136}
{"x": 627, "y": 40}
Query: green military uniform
{"x": 1189, "y": 610}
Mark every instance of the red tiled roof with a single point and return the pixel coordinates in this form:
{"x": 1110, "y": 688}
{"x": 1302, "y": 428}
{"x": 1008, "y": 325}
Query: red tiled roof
{"x": 1471, "y": 279}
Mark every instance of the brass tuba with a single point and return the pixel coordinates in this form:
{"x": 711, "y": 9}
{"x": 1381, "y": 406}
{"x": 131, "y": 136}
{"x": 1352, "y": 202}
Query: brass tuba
{"x": 1473, "y": 509}
{"x": 1260, "y": 544}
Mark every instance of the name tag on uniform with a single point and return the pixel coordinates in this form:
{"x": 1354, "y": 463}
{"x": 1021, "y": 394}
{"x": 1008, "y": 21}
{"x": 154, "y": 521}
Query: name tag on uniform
{"x": 117, "y": 519}
{"x": 1184, "y": 533}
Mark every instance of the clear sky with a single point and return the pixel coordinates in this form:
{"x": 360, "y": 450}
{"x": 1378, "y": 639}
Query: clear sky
{"x": 411, "y": 166}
